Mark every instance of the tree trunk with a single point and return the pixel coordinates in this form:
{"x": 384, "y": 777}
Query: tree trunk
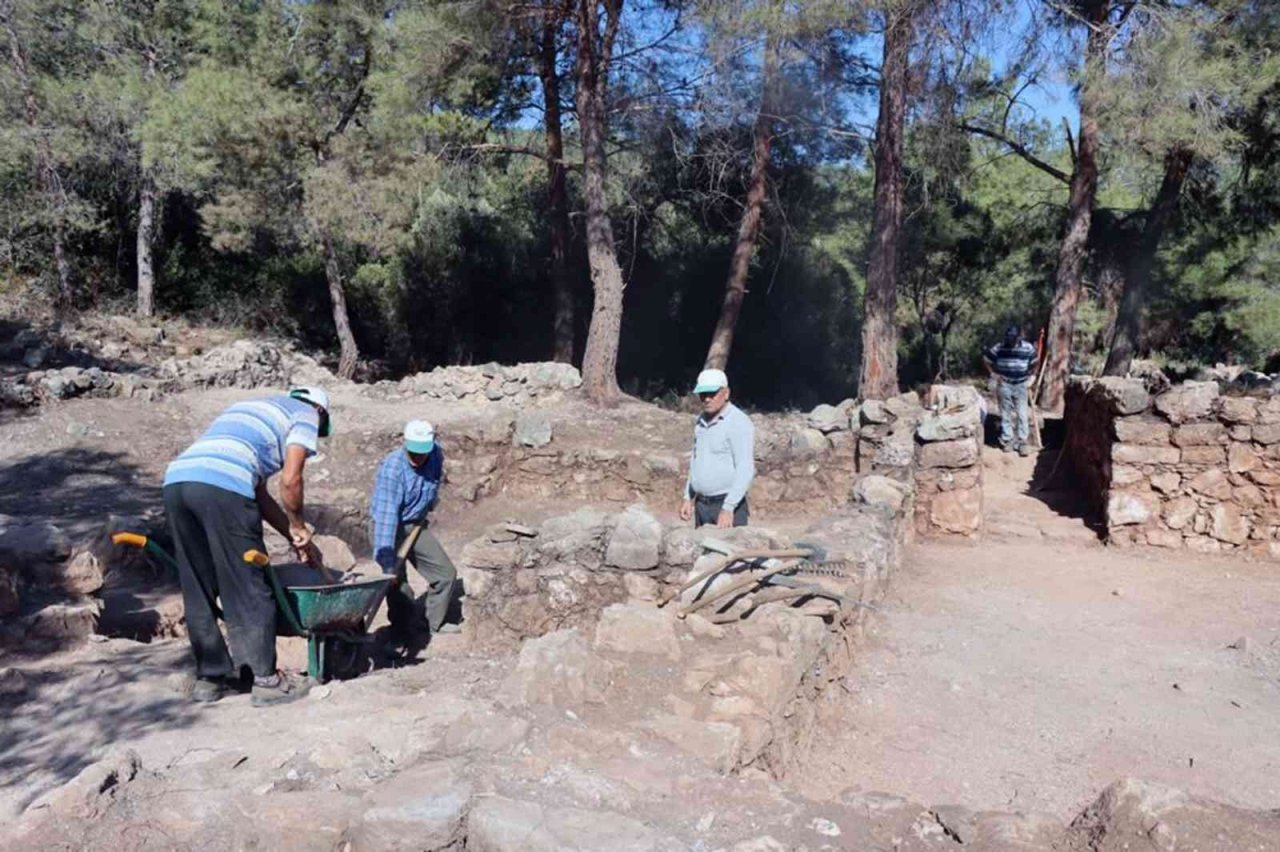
{"x": 735, "y": 289}
{"x": 1075, "y": 240}
{"x": 879, "y": 375}
{"x": 349, "y": 353}
{"x": 46, "y": 165}
{"x": 557, "y": 196}
{"x": 1124, "y": 345}
{"x": 146, "y": 238}
{"x": 600, "y": 361}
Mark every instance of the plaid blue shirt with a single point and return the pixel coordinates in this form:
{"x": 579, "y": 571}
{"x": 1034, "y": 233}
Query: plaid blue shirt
{"x": 402, "y": 494}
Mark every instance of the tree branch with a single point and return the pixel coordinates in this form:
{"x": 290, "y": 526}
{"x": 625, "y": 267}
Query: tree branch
{"x": 1017, "y": 148}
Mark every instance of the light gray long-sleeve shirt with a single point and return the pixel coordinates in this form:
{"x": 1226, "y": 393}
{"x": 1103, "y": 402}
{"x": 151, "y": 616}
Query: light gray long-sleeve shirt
{"x": 723, "y": 459}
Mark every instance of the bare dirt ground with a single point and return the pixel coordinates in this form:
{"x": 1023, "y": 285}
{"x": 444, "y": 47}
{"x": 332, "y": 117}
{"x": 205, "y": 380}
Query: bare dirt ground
{"x": 1026, "y": 672}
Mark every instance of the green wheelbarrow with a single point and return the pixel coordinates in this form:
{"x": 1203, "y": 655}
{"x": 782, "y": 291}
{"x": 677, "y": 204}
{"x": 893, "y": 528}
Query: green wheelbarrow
{"x": 338, "y": 612}
{"x": 327, "y": 615}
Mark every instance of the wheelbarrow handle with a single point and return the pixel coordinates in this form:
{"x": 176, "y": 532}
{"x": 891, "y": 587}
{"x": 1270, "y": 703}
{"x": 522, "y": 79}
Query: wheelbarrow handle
{"x": 257, "y": 557}
{"x": 135, "y": 539}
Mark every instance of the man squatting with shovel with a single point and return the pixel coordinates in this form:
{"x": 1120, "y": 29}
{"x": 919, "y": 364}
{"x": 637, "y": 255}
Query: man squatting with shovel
{"x": 723, "y": 462}
{"x": 216, "y": 499}
{"x": 406, "y": 489}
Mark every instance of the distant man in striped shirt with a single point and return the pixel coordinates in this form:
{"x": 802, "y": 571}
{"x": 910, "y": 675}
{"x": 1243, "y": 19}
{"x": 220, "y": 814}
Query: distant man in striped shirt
{"x": 1012, "y": 363}
{"x": 216, "y": 498}
{"x": 405, "y": 490}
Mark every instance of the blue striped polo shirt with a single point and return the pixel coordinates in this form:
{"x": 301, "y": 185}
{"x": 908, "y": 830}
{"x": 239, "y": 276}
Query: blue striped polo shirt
{"x": 1013, "y": 363}
{"x": 245, "y": 445}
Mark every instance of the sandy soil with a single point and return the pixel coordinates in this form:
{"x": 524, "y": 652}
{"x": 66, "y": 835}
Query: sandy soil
{"x": 1022, "y": 673}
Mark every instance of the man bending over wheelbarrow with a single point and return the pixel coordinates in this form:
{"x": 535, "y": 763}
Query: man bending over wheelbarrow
{"x": 406, "y": 489}
{"x": 216, "y": 499}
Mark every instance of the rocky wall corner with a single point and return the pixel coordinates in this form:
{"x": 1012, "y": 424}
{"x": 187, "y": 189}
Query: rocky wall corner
{"x": 1188, "y": 467}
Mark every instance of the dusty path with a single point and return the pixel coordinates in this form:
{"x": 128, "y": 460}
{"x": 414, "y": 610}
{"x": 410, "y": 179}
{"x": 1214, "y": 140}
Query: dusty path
{"x": 1029, "y": 672}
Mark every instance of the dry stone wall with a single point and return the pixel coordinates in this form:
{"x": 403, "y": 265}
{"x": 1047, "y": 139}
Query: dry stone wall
{"x": 935, "y": 453}
{"x": 1187, "y": 468}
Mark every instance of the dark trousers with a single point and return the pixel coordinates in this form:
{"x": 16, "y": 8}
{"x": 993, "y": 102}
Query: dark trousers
{"x": 411, "y": 615}
{"x": 706, "y": 510}
{"x": 212, "y": 529}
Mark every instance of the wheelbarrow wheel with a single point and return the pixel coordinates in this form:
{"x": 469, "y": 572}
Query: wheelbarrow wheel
{"x": 345, "y": 659}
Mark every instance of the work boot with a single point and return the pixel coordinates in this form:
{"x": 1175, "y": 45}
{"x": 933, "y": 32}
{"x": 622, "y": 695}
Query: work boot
{"x": 208, "y": 689}
{"x": 1024, "y": 451}
{"x": 279, "y": 689}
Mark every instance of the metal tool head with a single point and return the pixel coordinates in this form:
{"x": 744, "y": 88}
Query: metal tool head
{"x": 715, "y": 545}
{"x": 817, "y": 553}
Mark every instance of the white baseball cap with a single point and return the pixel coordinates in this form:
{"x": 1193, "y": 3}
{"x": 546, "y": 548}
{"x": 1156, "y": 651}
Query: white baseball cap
{"x": 710, "y": 381}
{"x": 419, "y": 437}
{"x": 318, "y": 397}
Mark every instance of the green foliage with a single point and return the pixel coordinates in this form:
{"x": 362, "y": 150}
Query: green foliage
{"x": 407, "y": 136}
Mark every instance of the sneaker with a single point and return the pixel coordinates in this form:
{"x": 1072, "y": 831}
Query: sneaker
{"x": 448, "y": 628}
{"x": 208, "y": 690}
{"x": 1024, "y": 451}
{"x": 286, "y": 688}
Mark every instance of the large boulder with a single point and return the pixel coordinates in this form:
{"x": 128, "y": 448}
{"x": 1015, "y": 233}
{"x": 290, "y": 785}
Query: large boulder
{"x": 88, "y": 794}
{"x": 828, "y": 418}
{"x": 559, "y": 670}
{"x": 423, "y": 807}
{"x": 627, "y": 628}
{"x": 635, "y": 542}
{"x": 684, "y": 545}
{"x": 533, "y": 429}
{"x": 1187, "y": 401}
{"x": 574, "y": 538}
{"x": 874, "y": 490}
{"x": 1121, "y": 396}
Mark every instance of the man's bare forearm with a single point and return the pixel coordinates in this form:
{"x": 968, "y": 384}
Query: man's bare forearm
{"x": 271, "y": 512}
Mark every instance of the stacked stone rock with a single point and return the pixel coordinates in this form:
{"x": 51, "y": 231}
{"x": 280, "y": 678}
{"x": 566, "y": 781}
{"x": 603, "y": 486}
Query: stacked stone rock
{"x": 519, "y": 383}
{"x": 1187, "y": 468}
{"x": 948, "y": 464}
{"x": 935, "y": 454}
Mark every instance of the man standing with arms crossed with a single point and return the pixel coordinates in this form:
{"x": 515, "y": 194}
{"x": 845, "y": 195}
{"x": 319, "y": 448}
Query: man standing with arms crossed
{"x": 216, "y": 498}
{"x": 406, "y": 489}
{"x": 723, "y": 462}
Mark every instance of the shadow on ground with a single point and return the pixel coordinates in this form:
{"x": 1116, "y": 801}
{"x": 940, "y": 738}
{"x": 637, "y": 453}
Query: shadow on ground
{"x": 75, "y": 481}
{"x": 64, "y": 718}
